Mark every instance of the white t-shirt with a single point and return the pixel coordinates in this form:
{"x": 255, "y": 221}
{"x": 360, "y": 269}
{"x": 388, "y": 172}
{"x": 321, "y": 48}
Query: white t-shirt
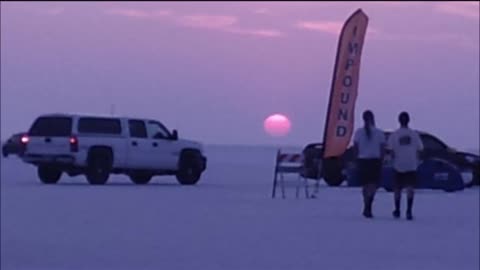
{"x": 405, "y": 144}
{"x": 369, "y": 148}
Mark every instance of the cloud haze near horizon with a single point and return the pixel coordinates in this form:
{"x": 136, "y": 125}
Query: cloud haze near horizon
{"x": 215, "y": 71}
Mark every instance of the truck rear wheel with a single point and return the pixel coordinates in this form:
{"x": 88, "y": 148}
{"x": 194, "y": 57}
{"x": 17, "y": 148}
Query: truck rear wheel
{"x": 189, "y": 168}
{"x": 49, "y": 174}
{"x": 99, "y": 166}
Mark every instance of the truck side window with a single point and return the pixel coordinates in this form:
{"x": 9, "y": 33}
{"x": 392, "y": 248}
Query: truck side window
{"x": 97, "y": 125}
{"x": 158, "y": 131}
{"x": 137, "y": 129}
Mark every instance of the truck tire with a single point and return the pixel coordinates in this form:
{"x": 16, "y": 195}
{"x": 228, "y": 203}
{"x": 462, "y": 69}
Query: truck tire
{"x": 189, "y": 168}
{"x": 140, "y": 178}
{"x": 99, "y": 165}
{"x": 332, "y": 172}
{"x": 49, "y": 174}
{"x": 312, "y": 163}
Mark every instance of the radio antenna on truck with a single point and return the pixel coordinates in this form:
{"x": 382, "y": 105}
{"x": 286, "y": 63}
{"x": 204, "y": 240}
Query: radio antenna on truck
{"x": 112, "y": 109}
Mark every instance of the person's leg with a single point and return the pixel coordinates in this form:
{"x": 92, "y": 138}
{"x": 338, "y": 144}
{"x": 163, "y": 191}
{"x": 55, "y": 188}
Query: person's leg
{"x": 397, "y": 197}
{"x": 362, "y": 174}
{"x": 365, "y": 192}
{"x": 366, "y": 201}
{"x": 410, "y": 193}
{"x": 367, "y": 209}
{"x": 377, "y": 165}
{"x": 374, "y": 172}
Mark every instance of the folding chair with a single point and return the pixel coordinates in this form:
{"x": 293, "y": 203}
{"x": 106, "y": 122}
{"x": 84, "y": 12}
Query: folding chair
{"x": 287, "y": 164}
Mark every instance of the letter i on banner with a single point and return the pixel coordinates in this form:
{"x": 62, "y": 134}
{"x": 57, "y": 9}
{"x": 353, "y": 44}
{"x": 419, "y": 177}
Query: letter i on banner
{"x": 343, "y": 94}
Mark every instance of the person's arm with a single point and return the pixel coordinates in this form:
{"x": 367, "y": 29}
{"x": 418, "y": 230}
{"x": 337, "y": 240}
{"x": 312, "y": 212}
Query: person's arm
{"x": 355, "y": 145}
{"x": 355, "y": 150}
{"x": 383, "y": 146}
{"x": 389, "y": 150}
{"x": 390, "y": 147}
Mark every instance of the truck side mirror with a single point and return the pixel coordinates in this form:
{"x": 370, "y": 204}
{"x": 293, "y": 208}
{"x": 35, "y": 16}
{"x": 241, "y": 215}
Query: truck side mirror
{"x": 175, "y": 135}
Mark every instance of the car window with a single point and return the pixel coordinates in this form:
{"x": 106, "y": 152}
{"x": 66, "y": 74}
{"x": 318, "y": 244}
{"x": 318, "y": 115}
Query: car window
{"x": 158, "y": 131}
{"x": 432, "y": 143}
{"x": 137, "y": 129}
{"x": 51, "y": 127}
{"x": 94, "y": 125}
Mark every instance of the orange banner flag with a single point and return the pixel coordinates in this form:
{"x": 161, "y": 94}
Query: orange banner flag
{"x": 343, "y": 94}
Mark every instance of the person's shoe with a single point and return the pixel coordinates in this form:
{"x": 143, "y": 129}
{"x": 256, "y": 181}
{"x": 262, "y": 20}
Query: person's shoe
{"x": 367, "y": 213}
{"x": 396, "y": 213}
{"x": 409, "y": 215}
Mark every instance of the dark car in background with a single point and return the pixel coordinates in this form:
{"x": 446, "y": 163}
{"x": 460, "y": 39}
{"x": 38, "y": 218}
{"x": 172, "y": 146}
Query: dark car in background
{"x": 332, "y": 169}
{"x": 14, "y": 145}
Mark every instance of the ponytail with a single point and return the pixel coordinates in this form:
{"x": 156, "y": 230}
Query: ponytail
{"x": 369, "y": 121}
{"x": 368, "y": 130}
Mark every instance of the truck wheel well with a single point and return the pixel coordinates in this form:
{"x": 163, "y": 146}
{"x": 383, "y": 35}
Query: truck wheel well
{"x": 189, "y": 151}
{"x": 100, "y": 150}
{"x": 187, "y": 155}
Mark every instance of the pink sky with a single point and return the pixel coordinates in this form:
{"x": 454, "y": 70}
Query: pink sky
{"x": 216, "y": 70}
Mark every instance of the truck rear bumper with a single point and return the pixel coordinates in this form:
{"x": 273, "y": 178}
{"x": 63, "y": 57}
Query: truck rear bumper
{"x": 48, "y": 159}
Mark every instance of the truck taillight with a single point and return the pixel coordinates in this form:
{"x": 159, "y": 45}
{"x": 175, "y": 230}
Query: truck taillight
{"x": 23, "y": 144}
{"x": 73, "y": 144}
{"x": 25, "y": 139}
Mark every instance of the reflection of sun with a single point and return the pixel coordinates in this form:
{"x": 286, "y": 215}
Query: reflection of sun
{"x": 277, "y": 125}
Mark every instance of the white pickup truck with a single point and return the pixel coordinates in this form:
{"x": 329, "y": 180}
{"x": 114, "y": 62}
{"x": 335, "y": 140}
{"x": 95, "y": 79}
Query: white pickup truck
{"x": 100, "y": 146}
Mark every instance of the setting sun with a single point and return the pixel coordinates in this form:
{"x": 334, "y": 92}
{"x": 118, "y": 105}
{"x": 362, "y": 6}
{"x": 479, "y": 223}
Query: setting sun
{"x": 277, "y": 125}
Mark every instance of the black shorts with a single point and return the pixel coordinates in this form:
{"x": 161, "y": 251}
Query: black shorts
{"x": 369, "y": 171}
{"x": 405, "y": 179}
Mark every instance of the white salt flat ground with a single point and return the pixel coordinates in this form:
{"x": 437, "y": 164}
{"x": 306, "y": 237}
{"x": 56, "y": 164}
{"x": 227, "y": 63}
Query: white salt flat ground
{"x": 227, "y": 221}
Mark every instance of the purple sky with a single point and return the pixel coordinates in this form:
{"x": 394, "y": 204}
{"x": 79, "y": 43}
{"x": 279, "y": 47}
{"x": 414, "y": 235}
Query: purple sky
{"x": 216, "y": 70}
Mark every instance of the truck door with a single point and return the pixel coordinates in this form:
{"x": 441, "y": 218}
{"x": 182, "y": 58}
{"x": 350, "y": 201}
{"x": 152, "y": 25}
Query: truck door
{"x": 139, "y": 149}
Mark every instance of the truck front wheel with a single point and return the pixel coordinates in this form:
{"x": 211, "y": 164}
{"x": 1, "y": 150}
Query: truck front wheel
{"x": 189, "y": 168}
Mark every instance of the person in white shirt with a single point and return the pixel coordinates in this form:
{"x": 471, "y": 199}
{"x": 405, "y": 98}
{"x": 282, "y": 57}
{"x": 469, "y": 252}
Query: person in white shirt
{"x": 369, "y": 145}
{"x": 405, "y": 146}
